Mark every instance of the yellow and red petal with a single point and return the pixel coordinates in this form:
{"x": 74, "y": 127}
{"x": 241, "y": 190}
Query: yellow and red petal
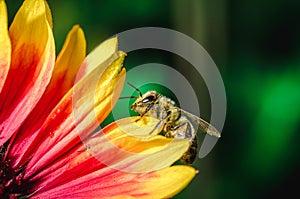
{"x": 110, "y": 183}
{"x": 168, "y": 182}
{"x": 66, "y": 67}
{"x": 137, "y": 153}
{"x": 32, "y": 62}
{"x": 112, "y": 152}
{"x": 116, "y": 148}
{"x": 121, "y": 161}
{"x": 67, "y": 64}
{"x": 5, "y": 46}
{"x": 81, "y": 110}
{"x": 80, "y": 159}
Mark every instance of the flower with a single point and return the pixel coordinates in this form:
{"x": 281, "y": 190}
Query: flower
{"x": 46, "y": 120}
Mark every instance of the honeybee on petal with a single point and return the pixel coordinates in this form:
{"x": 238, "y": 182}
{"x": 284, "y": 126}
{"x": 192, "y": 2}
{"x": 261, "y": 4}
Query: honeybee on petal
{"x": 174, "y": 122}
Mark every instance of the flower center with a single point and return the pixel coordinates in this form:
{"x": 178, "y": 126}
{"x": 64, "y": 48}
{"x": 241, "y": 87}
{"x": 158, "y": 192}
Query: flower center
{"x": 11, "y": 180}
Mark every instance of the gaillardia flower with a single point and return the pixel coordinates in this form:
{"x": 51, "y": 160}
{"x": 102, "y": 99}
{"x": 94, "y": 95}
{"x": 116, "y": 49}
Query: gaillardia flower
{"x": 49, "y": 107}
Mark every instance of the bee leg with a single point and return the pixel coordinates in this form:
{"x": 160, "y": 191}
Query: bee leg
{"x": 141, "y": 115}
{"x": 174, "y": 128}
{"x": 159, "y": 126}
{"x": 180, "y": 131}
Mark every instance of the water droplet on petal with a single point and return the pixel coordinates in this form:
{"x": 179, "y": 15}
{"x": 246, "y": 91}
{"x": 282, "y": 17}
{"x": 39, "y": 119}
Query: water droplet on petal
{"x": 51, "y": 134}
{"x": 53, "y": 116}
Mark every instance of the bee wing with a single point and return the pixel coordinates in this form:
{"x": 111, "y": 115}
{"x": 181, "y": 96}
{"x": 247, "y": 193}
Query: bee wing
{"x": 204, "y": 126}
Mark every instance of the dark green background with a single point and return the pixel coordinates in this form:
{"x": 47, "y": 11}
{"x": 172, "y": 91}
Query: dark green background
{"x": 255, "y": 45}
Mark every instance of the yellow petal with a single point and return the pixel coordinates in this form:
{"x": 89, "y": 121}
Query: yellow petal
{"x": 48, "y": 15}
{"x": 167, "y": 182}
{"x": 5, "y": 46}
{"x": 104, "y": 54}
{"x": 33, "y": 15}
{"x": 132, "y": 125}
{"x": 98, "y": 95}
{"x": 135, "y": 154}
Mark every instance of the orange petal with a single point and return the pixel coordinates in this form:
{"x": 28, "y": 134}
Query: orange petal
{"x": 32, "y": 62}
{"x": 78, "y": 113}
{"x": 66, "y": 67}
{"x": 5, "y": 46}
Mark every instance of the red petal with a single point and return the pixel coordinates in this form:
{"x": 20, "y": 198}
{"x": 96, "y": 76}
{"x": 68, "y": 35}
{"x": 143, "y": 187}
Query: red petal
{"x": 66, "y": 67}
{"x": 32, "y": 62}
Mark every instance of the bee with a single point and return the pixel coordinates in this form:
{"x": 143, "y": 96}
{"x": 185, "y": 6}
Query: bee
{"x": 174, "y": 122}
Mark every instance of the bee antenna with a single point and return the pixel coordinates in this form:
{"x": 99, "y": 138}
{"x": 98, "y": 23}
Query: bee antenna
{"x": 138, "y": 90}
{"x": 128, "y": 97}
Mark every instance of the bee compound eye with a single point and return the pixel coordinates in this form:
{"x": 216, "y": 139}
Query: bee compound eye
{"x": 148, "y": 99}
{"x": 145, "y": 100}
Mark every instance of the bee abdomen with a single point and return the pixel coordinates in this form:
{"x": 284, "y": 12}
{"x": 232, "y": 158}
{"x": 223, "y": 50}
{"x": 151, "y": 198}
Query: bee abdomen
{"x": 190, "y": 155}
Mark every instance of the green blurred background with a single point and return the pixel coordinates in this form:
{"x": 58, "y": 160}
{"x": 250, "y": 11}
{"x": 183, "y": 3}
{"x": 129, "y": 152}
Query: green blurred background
{"x": 255, "y": 45}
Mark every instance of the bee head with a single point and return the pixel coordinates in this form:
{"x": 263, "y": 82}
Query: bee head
{"x": 143, "y": 103}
